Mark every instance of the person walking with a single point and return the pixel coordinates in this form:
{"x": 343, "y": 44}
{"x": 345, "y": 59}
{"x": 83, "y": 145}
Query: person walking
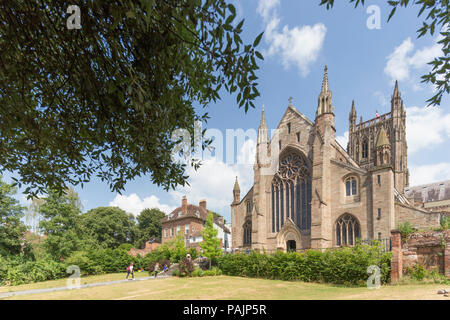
{"x": 130, "y": 270}
{"x": 156, "y": 269}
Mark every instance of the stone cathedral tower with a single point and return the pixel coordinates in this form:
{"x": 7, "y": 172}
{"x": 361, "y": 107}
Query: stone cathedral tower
{"x": 362, "y": 139}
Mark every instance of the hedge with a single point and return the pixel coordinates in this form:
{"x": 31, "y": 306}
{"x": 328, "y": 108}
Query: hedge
{"x": 347, "y": 266}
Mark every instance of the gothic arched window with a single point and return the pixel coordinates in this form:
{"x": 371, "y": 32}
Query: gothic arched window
{"x": 248, "y": 207}
{"x": 291, "y": 193}
{"x": 351, "y": 188}
{"x": 347, "y": 230}
{"x": 248, "y": 233}
{"x": 365, "y": 149}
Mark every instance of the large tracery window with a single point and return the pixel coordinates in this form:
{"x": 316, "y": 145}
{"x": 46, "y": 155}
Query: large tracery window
{"x": 291, "y": 193}
{"x": 248, "y": 233}
{"x": 347, "y": 230}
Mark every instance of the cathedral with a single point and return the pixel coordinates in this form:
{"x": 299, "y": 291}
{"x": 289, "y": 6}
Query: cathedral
{"x": 311, "y": 192}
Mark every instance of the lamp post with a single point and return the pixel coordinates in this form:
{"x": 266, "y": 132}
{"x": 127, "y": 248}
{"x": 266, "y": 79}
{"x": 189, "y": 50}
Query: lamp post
{"x": 151, "y": 242}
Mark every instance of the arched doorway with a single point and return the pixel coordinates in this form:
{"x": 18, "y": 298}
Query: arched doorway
{"x": 289, "y": 238}
{"x": 291, "y": 245}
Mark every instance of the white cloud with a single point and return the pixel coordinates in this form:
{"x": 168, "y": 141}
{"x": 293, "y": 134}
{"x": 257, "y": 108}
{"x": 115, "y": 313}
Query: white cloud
{"x": 401, "y": 61}
{"x": 134, "y": 204}
{"x": 429, "y": 173}
{"x": 343, "y": 140}
{"x": 382, "y": 99}
{"x": 214, "y": 180}
{"x": 397, "y": 66}
{"x": 426, "y": 127}
{"x": 266, "y": 7}
{"x": 299, "y": 46}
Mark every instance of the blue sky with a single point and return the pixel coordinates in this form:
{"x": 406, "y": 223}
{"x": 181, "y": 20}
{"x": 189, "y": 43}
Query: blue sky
{"x": 300, "y": 38}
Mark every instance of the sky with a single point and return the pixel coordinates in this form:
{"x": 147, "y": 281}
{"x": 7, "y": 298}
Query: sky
{"x": 364, "y": 60}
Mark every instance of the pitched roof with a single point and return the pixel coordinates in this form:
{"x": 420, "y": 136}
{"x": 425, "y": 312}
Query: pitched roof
{"x": 437, "y": 191}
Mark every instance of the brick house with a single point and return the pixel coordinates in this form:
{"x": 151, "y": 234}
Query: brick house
{"x": 189, "y": 219}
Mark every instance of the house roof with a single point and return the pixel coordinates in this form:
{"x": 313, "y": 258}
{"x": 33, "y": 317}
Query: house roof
{"x": 193, "y": 211}
{"x": 437, "y": 191}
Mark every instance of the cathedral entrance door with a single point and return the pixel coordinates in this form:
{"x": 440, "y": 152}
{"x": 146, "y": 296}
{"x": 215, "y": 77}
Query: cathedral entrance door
{"x": 291, "y": 245}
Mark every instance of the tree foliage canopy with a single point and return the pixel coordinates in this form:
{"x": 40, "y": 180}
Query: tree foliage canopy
{"x": 437, "y": 19}
{"x": 12, "y": 229}
{"x": 210, "y": 244}
{"x": 104, "y": 99}
{"x": 109, "y": 226}
{"x": 149, "y": 225}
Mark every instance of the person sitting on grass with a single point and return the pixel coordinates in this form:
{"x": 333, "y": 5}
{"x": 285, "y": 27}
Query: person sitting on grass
{"x": 130, "y": 270}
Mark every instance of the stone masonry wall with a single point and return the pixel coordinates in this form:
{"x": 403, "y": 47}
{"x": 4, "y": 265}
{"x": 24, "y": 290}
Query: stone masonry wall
{"x": 429, "y": 249}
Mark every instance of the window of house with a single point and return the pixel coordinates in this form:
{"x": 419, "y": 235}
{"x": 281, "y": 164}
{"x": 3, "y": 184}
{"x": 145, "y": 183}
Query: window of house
{"x": 350, "y": 187}
{"x": 165, "y": 233}
{"x": 186, "y": 228}
{"x": 171, "y": 232}
{"x": 298, "y": 136}
{"x": 379, "y": 235}
{"x": 289, "y": 127}
{"x": 379, "y": 214}
{"x": 379, "y": 179}
{"x": 279, "y": 144}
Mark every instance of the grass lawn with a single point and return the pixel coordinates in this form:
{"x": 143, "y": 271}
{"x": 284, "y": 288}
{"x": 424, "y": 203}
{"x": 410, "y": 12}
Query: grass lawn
{"x": 228, "y": 288}
{"x": 62, "y": 282}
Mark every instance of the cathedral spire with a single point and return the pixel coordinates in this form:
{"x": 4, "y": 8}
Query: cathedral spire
{"x": 325, "y": 87}
{"x": 262, "y": 123}
{"x": 324, "y": 104}
{"x": 236, "y": 192}
{"x": 353, "y": 111}
{"x": 396, "y": 92}
{"x": 263, "y": 132}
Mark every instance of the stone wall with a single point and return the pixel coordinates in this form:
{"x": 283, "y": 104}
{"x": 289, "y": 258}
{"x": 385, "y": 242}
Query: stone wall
{"x": 430, "y": 250}
{"x": 417, "y": 217}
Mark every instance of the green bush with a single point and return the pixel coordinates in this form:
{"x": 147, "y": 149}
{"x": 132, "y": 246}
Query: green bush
{"x": 445, "y": 222}
{"x": 186, "y": 267}
{"x": 213, "y": 272}
{"x": 176, "y": 273}
{"x": 417, "y": 272}
{"x": 406, "y": 229}
{"x": 33, "y": 271}
{"x": 197, "y": 273}
{"x": 346, "y": 266}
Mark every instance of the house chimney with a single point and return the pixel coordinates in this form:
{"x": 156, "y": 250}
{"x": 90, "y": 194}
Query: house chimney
{"x": 202, "y": 204}
{"x": 184, "y": 205}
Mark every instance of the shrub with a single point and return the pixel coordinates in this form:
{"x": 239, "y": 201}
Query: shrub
{"x": 346, "y": 266}
{"x": 176, "y": 273}
{"x": 417, "y": 272}
{"x": 445, "y": 222}
{"x": 186, "y": 267}
{"x": 198, "y": 273}
{"x": 406, "y": 229}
